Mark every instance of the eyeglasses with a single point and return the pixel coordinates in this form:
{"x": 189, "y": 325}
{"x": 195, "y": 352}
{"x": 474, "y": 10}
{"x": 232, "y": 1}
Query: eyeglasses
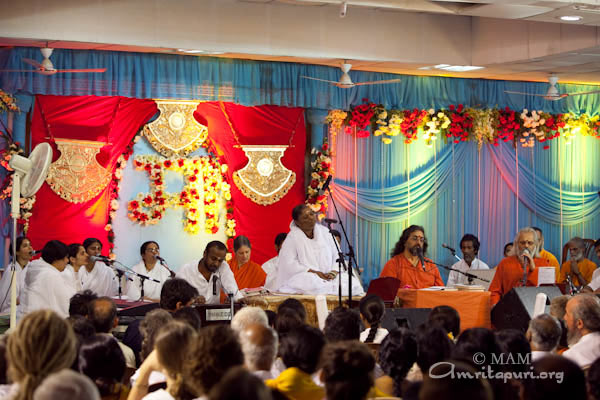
{"x": 526, "y": 243}
{"x": 418, "y": 238}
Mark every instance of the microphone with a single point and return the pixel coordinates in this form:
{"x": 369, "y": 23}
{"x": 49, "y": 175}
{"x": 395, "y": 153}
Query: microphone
{"x": 164, "y": 264}
{"x": 326, "y": 184}
{"x": 35, "y": 252}
{"x": 330, "y": 221}
{"x": 103, "y": 259}
{"x": 214, "y": 282}
{"x": 444, "y": 245}
{"x": 421, "y": 258}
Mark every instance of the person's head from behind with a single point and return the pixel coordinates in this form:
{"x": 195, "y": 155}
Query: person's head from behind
{"x": 217, "y": 350}
{"x": 41, "y": 344}
{"x": 24, "y": 249}
{"x": 593, "y": 380}
{"x": 214, "y": 255}
{"x": 287, "y": 320}
{"x": 239, "y": 383}
{"x": 558, "y": 306}
{"x": 173, "y": 343}
{"x": 177, "y": 293}
{"x": 77, "y": 255}
{"x": 446, "y": 317}
{"x": 582, "y": 317}
{"x": 247, "y": 316}
{"x": 80, "y": 303}
{"x": 476, "y": 340}
{"x": 92, "y": 246}
{"x": 434, "y": 346}
{"x": 347, "y": 370}
{"x": 259, "y": 345}
{"x": 56, "y": 253}
{"x": 279, "y": 239}
{"x": 103, "y": 314}
{"x": 371, "y": 309}
{"x": 102, "y": 360}
{"x": 190, "y": 316}
{"x": 149, "y": 328}
{"x": 242, "y": 249}
{"x": 441, "y": 384}
{"x": 301, "y": 348}
{"x": 397, "y": 354}
{"x": 565, "y": 380}
{"x": 342, "y": 324}
{"x": 514, "y": 344}
{"x": 293, "y": 305}
{"x": 544, "y": 333}
{"x": 82, "y": 327}
{"x": 469, "y": 246}
{"x": 66, "y": 384}
{"x": 3, "y": 364}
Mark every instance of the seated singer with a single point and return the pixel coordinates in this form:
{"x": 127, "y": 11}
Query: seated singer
{"x": 151, "y": 267}
{"x": 247, "y": 273}
{"x": 308, "y": 259}
{"x": 210, "y": 274}
{"x": 407, "y": 264}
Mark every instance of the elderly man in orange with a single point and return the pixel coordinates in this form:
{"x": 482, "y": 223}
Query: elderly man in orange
{"x": 407, "y": 263}
{"x": 578, "y": 268}
{"x": 520, "y": 268}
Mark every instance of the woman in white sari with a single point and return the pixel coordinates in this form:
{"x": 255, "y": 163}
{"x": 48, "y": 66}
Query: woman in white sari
{"x": 97, "y": 276}
{"x": 24, "y": 254}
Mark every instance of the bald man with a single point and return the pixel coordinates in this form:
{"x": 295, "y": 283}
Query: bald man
{"x": 259, "y": 345}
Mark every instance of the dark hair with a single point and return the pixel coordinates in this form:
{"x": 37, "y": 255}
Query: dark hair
{"x": 446, "y": 317}
{"x": 73, "y": 249}
{"x": 149, "y": 328}
{"x": 280, "y": 238}
{"x": 347, "y": 370}
{"x": 296, "y": 211}
{"x": 240, "y": 241}
{"x": 217, "y": 244}
{"x": 397, "y": 354}
{"x": 571, "y": 386}
{"x": 102, "y": 313}
{"x": 80, "y": 302}
{"x": 399, "y": 247}
{"x": 513, "y": 343}
{"x": 506, "y": 247}
{"x": 82, "y": 327}
{"x": 372, "y": 309}
{"x": 473, "y": 239}
{"x": 54, "y": 250}
{"x": 239, "y": 383}
{"x": 287, "y": 320}
{"x": 434, "y": 346}
{"x": 342, "y": 324}
{"x": 189, "y": 315}
{"x": 20, "y": 241}
{"x": 145, "y": 246}
{"x": 593, "y": 379}
{"x": 294, "y": 305}
{"x": 447, "y": 387}
{"x": 476, "y": 340}
{"x": 597, "y": 243}
{"x": 272, "y": 316}
{"x": 301, "y": 348}
{"x": 535, "y": 228}
{"x": 90, "y": 241}
{"x": 3, "y": 363}
{"x": 176, "y": 290}
{"x": 336, "y": 233}
{"x": 102, "y": 360}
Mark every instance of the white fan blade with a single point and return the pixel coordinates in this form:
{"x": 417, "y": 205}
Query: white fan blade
{"x": 322, "y": 80}
{"x": 19, "y": 70}
{"x": 82, "y": 70}
{"x": 377, "y": 82}
{"x": 526, "y": 94}
{"x": 579, "y": 93}
{"x": 33, "y": 62}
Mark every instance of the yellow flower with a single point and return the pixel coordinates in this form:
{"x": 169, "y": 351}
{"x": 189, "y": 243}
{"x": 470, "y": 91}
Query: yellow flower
{"x": 386, "y": 140}
{"x": 378, "y": 132}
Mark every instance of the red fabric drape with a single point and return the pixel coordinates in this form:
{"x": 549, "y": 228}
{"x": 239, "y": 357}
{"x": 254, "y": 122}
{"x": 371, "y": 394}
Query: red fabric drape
{"x": 114, "y": 120}
{"x": 260, "y": 125}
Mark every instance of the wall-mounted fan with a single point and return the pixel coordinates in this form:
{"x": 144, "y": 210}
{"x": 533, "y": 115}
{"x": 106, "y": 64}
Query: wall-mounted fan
{"x": 345, "y": 82}
{"x": 552, "y": 93}
{"x": 47, "y": 68}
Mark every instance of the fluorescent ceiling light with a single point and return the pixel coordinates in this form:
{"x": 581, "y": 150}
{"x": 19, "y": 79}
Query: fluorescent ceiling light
{"x": 190, "y": 51}
{"x": 461, "y": 68}
{"x": 571, "y": 18}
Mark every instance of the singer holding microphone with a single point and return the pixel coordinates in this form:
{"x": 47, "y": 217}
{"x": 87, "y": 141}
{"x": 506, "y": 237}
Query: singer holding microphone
{"x": 520, "y": 268}
{"x": 97, "y": 276}
{"x": 408, "y": 263}
{"x": 153, "y": 266}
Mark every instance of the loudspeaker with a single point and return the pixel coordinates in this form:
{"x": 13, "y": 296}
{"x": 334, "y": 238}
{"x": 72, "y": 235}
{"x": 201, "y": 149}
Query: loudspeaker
{"x": 515, "y": 309}
{"x": 409, "y": 318}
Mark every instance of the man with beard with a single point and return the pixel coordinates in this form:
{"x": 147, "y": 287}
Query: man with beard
{"x": 469, "y": 245}
{"x": 408, "y": 264}
{"x": 578, "y": 268}
{"x": 583, "y": 329}
{"x": 210, "y": 274}
{"x": 519, "y": 269}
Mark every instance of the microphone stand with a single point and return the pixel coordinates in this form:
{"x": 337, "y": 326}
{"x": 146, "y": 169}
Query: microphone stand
{"x": 141, "y": 276}
{"x": 229, "y": 295}
{"x": 341, "y": 262}
{"x": 469, "y": 276}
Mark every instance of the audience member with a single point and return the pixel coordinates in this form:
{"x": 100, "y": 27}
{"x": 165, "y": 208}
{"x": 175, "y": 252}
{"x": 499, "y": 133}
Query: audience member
{"x": 287, "y": 320}
{"x": 80, "y": 302}
{"x": 190, "y": 316}
{"x": 247, "y": 316}
{"x": 397, "y": 354}
{"x": 272, "y": 317}
{"x": 593, "y": 380}
{"x": 239, "y": 383}
{"x": 446, "y": 317}
{"x": 558, "y": 308}
{"x": 515, "y": 347}
{"x": 294, "y": 305}
{"x": 259, "y": 345}
{"x": 347, "y": 370}
{"x": 101, "y": 359}
{"x": 342, "y": 324}
{"x": 469, "y": 245}
{"x": 565, "y": 380}
{"x": 543, "y": 334}
{"x": 372, "y": 309}
{"x": 434, "y": 346}
{"x": 66, "y": 384}
{"x": 583, "y": 329}
{"x": 442, "y": 383}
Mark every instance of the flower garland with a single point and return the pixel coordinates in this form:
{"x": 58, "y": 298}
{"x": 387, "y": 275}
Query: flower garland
{"x": 410, "y": 124}
{"x": 360, "y": 118}
{"x": 508, "y": 126}
{"x": 335, "y": 119}
{"x": 483, "y": 126}
{"x": 461, "y": 123}
{"x": 321, "y": 170}
{"x": 435, "y": 123}
{"x": 8, "y": 102}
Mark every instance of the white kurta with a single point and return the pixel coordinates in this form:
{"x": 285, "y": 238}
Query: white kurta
{"x": 151, "y": 289}
{"x": 585, "y": 351}
{"x": 270, "y": 268}
{"x": 71, "y": 277}
{"x": 102, "y": 280}
{"x": 190, "y": 273}
{"x": 299, "y": 253}
{"x": 45, "y": 288}
{"x": 456, "y": 278}
{"x": 5, "y": 285}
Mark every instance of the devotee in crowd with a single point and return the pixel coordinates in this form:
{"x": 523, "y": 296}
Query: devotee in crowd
{"x": 519, "y": 269}
{"x": 307, "y": 260}
{"x": 295, "y": 306}
{"x": 190, "y": 316}
{"x": 594, "y": 285}
{"x": 24, "y": 254}
{"x": 151, "y": 267}
{"x": 41, "y": 344}
{"x": 447, "y": 318}
{"x": 347, "y": 370}
{"x": 405, "y": 264}
{"x": 543, "y": 334}
{"x": 259, "y": 345}
{"x": 545, "y": 254}
{"x": 239, "y": 383}
{"x": 593, "y": 380}
{"x": 101, "y": 359}
{"x": 433, "y": 346}
{"x": 514, "y": 344}
{"x": 442, "y": 384}
{"x": 372, "y": 309}
{"x": 397, "y": 354}
{"x": 45, "y": 286}
{"x": 211, "y": 274}
{"x": 507, "y": 249}
{"x": 79, "y": 303}
{"x": 583, "y": 329}
{"x": 270, "y": 267}
{"x": 565, "y": 380}
{"x": 246, "y": 272}
{"x": 77, "y": 259}
{"x": 66, "y": 384}
{"x": 342, "y": 324}
{"x": 97, "y": 276}
{"x": 247, "y": 316}
{"x": 469, "y": 245}
{"x": 578, "y": 269}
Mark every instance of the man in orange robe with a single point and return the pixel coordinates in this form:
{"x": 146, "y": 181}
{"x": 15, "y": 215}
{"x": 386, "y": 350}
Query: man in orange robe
{"x": 405, "y": 264}
{"x": 546, "y": 255}
{"x": 511, "y": 270}
{"x": 578, "y": 267}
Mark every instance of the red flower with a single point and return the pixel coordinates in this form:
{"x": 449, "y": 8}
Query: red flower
{"x": 134, "y": 205}
{"x": 167, "y": 163}
{"x": 215, "y": 229}
{"x": 362, "y": 134}
{"x": 314, "y": 183}
{"x": 192, "y": 178}
{"x": 546, "y": 147}
{"x": 180, "y": 162}
{"x": 148, "y": 200}
{"x": 325, "y": 146}
{"x": 229, "y": 216}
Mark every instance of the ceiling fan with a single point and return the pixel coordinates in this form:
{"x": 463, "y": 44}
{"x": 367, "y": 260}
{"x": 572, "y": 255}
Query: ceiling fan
{"x": 553, "y": 94}
{"x": 47, "y": 68}
{"x": 346, "y": 83}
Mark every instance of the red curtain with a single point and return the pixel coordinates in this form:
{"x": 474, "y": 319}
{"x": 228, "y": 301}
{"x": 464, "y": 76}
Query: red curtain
{"x": 260, "y": 125}
{"x": 114, "y": 120}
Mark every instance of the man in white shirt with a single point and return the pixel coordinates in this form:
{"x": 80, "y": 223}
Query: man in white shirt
{"x": 543, "y": 335}
{"x": 583, "y": 329}
{"x": 211, "y": 274}
{"x": 270, "y": 267}
{"x": 469, "y": 245}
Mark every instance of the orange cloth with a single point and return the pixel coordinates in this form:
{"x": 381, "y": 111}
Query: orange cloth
{"x": 414, "y": 277}
{"x": 552, "y": 262}
{"x": 586, "y": 268}
{"x": 249, "y": 275}
{"x": 509, "y": 274}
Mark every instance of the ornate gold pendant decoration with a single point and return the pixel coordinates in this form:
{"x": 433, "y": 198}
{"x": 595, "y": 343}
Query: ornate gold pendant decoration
{"x": 175, "y": 133}
{"x": 264, "y": 180}
{"x": 76, "y": 176}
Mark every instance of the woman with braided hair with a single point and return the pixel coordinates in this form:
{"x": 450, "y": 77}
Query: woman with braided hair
{"x": 372, "y": 309}
{"x": 43, "y": 343}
